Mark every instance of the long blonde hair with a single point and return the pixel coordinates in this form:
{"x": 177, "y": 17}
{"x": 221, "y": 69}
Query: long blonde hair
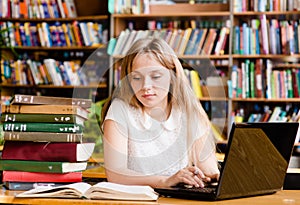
{"x": 181, "y": 94}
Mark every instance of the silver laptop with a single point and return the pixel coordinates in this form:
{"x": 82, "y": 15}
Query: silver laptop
{"x": 255, "y": 163}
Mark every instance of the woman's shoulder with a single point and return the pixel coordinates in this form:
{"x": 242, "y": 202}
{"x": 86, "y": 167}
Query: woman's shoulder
{"x": 119, "y": 104}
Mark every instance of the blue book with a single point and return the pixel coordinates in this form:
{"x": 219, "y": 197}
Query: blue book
{"x": 197, "y": 42}
{"x": 296, "y": 36}
{"x": 237, "y": 40}
{"x": 257, "y": 42}
{"x": 245, "y": 39}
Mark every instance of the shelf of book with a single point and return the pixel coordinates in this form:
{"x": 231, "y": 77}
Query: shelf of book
{"x": 56, "y": 48}
{"x": 264, "y": 61}
{"x": 268, "y": 13}
{"x": 182, "y": 21}
{"x": 63, "y": 31}
{"x": 102, "y": 85}
{"x": 284, "y": 100}
{"x": 78, "y": 18}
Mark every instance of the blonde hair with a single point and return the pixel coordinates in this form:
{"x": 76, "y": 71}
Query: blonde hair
{"x": 181, "y": 94}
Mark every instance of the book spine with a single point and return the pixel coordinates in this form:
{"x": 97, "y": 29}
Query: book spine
{"x": 45, "y": 109}
{"x": 42, "y": 127}
{"x": 21, "y": 176}
{"x": 42, "y": 137}
{"x": 39, "y": 166}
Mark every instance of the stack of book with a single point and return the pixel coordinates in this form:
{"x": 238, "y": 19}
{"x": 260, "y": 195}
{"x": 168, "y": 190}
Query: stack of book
{"x": 44, "y": 141}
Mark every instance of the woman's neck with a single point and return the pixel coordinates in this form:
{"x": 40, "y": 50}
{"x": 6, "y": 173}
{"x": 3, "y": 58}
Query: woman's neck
{"x": 159, "y": 113}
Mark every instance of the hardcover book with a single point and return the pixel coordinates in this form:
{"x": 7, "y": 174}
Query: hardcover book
{"x": 49, "y": 100}
{"x": 42, "y": 136}
{"x": 46, "y": 109}
{"x": 42, "y": 166}
{"x": 24, "y": 186}
{"x": 53, "y": 118}
{"x": 101, "y": 190}
{"x": 42, "y": 127}
{"x": 47, "y": 151}
{"x": 20, "y": 176}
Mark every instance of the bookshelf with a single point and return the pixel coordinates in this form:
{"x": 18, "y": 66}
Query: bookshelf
{"x": 233, "y": 14}
{"x": 180, "y": 21}
{"x": 272, "y": 30}
{"x": 76, "y": 45}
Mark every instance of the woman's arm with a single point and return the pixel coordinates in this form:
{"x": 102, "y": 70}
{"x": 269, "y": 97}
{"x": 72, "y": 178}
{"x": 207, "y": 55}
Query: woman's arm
{"x": 116, "y": 155}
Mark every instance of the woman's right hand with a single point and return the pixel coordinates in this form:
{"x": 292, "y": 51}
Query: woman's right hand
{"x": 190, "y": 175}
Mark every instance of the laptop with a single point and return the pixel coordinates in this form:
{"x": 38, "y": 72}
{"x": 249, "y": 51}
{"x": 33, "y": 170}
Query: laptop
{"x": 255, "y": 163}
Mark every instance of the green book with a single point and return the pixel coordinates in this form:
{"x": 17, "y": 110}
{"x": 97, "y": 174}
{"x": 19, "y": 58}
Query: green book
{"x": 42, "y": 127}
{"x": 42, "y": 166}
{"x": 54, "y": 118}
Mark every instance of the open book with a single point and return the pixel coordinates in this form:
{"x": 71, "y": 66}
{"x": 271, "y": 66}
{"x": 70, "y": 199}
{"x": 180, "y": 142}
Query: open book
{"x": 101, "y": 190}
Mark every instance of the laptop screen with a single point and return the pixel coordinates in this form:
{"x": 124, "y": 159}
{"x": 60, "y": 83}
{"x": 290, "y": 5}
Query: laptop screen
{"x": 257, "y": 159}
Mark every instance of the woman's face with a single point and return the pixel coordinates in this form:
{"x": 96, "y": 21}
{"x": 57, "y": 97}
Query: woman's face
{"x": 150, "y": 82}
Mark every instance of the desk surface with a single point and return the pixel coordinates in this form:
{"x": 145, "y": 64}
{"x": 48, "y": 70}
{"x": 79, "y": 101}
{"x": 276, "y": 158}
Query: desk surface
{"x": 287, "y": 197}
{"x": 99, "y": 172}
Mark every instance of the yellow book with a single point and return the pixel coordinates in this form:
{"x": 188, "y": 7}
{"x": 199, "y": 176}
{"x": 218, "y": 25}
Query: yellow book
{"x": 65, "y": 30}
{"x": 195, "y": 83}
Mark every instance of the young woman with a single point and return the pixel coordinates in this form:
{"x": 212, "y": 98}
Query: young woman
{"x": 155, "y": 130}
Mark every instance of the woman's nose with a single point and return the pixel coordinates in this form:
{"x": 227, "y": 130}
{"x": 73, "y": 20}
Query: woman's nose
{"x": 147, "y": 83}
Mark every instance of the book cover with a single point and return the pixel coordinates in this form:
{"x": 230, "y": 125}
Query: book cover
{"x": 71, "y": 7}
{"x": 50, "y": 100}
{"x": 195, "y": 83}
{"x": 46, "y": 109}
{"x": 24, "y": 186}
{"x": 47, "y": 151}
{"x": 42, "y": 166}
{"x": 21, "y": 176}
{"x": 101, "y": 190}
{"x": 42, "y": 127}
{"x": 42, "y": 136}
{"x": 258, "y": 78}
{"x": 54, "y": 118}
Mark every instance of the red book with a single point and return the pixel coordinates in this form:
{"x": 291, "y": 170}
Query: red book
{"x": 47, "y": 151}
{"x": 258, "y": 78}
{"x": 294, "y": 82}
{"x": 20, "y": 176}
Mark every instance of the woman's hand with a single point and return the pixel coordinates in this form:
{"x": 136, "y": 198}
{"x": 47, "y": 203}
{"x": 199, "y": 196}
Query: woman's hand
{"x": 190, "y": 175}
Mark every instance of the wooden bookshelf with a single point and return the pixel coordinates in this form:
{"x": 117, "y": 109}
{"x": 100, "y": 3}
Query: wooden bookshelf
{"x": 184, "y": 12}
{"x": 98, "y": 13}
{"x": 185, "y": 15}
{"x": 274, "y": 58}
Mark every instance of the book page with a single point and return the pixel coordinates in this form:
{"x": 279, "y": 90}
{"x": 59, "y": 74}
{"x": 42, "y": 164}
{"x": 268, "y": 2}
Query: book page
{"x": 110, "y": 190}
{"x": 74, "y": 190}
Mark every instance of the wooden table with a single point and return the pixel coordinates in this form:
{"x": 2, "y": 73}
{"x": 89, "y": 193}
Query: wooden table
{"x": 96, "y": 173}
{"x": 285, "y": 197}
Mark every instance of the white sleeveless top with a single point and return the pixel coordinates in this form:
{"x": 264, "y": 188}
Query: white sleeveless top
{"x": 154, "y": 148}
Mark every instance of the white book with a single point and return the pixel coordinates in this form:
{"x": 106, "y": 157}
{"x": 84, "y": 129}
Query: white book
{"x": 101, "y": 190}
{"x": 51, "y": 67}
{"x": 71, "y": 6}
{"x": 61, "y": 9}
{"x": 120, "y": 42}
{"x": 84, "y": 31}
{"x": 129, "y": 41}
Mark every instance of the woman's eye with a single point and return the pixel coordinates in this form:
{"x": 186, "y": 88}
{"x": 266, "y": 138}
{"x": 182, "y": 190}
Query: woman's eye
{"x": 156, "y": 77}
{"x": 136, "y": 78}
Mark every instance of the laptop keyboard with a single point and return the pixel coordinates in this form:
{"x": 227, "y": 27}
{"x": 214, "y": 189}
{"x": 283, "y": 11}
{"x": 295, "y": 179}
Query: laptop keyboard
{"x": 197, "y": 190}
{"x": 209, "y": 189}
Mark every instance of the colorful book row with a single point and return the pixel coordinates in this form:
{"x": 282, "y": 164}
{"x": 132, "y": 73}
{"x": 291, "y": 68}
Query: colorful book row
{"x": 267, "y": 114}
{"x": 129, "y": 7}
{"x": 198, "y": 41}
{"x": 48, "y": 72}
{"x": 54, "y": 34}
{"x": 265, "y": 5}
{"x": 38, "y": 9}
{"x": 256, "y": 79}
{"x": 267, "y": 36}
